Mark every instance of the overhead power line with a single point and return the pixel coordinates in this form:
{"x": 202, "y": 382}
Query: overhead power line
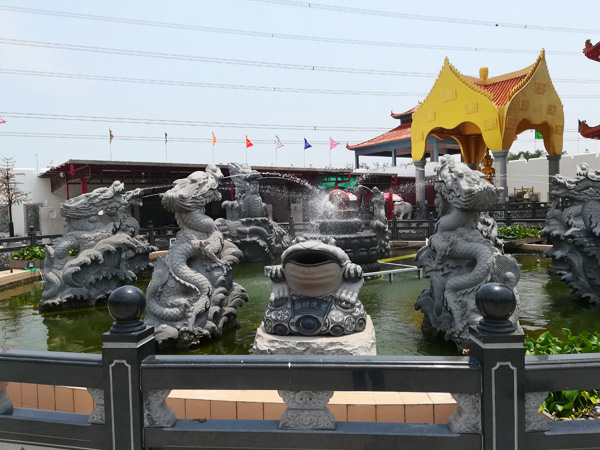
{"x": 240, "y": 62}
{"x": 80, "y": 76}
{"x": 424, "y": 17}
{"x": 263, "y": 34}
{"x": 150, "y": 138}
{"x": 160, "y": 138}
{"x": 186, "y": 123}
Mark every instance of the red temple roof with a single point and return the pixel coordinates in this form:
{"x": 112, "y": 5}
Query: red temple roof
{"x": 404, "y": 114}
{"x": 592, "y": 51}
{"x": 397, "y": 134}
{"x": 589, "y": 132}
{"x": 500, "y": 89}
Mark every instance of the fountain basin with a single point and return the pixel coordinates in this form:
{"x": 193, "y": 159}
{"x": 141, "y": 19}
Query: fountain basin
{"x": 545, "y": 306}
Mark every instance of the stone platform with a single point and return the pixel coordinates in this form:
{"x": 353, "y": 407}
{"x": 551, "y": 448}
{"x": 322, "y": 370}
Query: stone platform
{"x": 362, "y": 343}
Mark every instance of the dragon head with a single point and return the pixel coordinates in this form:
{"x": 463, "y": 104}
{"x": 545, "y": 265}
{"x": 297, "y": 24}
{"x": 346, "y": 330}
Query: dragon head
{"x": 464, "y": 188}
{"x": 99, "y": 201}
{"x": 195, "y": 191}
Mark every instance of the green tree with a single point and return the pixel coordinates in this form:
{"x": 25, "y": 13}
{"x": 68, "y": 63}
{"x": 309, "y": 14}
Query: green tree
{"x": 526, "y": 155}
{"x": 10, "y": 192}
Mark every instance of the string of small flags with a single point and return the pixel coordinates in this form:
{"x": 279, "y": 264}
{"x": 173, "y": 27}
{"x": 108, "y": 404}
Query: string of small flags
{"x": 332, "y": 142}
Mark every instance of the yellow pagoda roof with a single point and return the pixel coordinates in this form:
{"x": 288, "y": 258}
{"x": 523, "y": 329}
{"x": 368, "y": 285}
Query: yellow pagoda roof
{"x": 488, "y": 112}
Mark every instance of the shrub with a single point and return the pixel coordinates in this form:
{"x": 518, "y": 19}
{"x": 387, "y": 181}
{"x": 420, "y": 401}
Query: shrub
{"x": 518, "y": 232}
{"x": 567, "y": 404}
{"x": 36, "y": 253}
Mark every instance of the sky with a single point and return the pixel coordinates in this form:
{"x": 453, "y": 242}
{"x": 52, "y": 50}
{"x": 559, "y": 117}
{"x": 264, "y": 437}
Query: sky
{"x": 72, "y": 70}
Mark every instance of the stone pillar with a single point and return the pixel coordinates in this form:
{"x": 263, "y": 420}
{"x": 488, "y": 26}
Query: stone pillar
{"x": 394, "y": 158}
{"x": 420, "y": 182}
{"x": 553, "y": 169}
{"x": 436, "y": 151}
{"x": 124, "y": 347}
{"x": 499, "y": 349}
{"x": 501, "y": 157}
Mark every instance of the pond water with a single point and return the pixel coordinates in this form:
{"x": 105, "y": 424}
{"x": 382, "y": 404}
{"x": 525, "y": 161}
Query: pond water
{"x": 545, "y": 305}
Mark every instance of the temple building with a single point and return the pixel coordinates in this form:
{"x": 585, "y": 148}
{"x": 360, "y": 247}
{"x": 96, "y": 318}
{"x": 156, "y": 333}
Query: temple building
{"x": 469, "y": 115}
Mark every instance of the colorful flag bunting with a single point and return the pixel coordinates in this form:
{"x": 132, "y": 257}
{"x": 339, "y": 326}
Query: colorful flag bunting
{"x": 248, "y": 142}
{"x": 214, "y": 138}
{"x": 2, "y": 120}
{"x": 306, "y": 144}
{"x": 332, "y": 144}
{"x": 278, "y": 143}
{"x": 110, "y": 135}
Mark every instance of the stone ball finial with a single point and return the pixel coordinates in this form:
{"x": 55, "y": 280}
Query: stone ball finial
{"x": 496, "y": 303}
{"x": 483, "y": 73}
{"x": 126, "y": 305}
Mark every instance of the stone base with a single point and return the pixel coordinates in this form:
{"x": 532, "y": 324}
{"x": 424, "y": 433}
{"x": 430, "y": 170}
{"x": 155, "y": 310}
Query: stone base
{"x": 362, "y": 343}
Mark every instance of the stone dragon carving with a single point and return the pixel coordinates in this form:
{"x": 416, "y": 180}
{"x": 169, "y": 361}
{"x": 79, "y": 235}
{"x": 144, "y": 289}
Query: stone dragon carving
{"x": 573, "y": 227}
{"x": 99, "y": 251}
{"x": 463, "y": 254}
{"x": 248, "y": 225}
{"x": 192, "y": 296}
{"x": 379, "y": 224}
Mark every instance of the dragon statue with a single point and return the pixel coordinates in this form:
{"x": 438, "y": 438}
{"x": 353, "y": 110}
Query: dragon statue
{"x": 248, "y": 225}
{"x": 315, "y": 292}
{"x": 99, "y": 251}
{"x": 463, "y": 254}
{"x": 191, "y": 297}
{"x": 573, "y": 228}
{"x": 379, "y": 224}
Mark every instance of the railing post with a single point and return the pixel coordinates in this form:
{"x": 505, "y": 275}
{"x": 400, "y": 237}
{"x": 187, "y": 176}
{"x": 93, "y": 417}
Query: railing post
{"x": 124, "y": 347}
{"x": 507, "y": 215}
{"x": 431, "y": 223}
{"x": 499, "y": 348}
{"x": 32, "y": 236}
{"x": 151, "y": 233}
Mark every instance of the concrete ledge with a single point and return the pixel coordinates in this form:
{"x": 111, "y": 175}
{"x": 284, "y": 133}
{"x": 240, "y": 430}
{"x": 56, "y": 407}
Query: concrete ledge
{"x": 10, "y": 280}
{"x": 152, "y": 256}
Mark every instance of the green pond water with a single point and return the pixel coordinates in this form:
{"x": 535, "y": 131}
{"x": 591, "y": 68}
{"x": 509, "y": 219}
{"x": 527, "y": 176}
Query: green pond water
{"x": 545, "y": 305}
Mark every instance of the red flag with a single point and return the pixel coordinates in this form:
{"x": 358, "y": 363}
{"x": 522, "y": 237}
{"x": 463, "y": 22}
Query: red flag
{"x": 2, "y": 120}
{"x": 248, "y": 142}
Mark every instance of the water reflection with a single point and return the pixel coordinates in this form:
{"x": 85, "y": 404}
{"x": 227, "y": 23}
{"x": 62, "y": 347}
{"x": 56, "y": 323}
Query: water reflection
{"x": 546, "y": 304}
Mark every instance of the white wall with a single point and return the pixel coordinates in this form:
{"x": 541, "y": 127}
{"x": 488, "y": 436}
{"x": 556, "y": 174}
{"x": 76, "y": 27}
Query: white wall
{"x": 534, "y": 173}
{"x": 38, "y": 192}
